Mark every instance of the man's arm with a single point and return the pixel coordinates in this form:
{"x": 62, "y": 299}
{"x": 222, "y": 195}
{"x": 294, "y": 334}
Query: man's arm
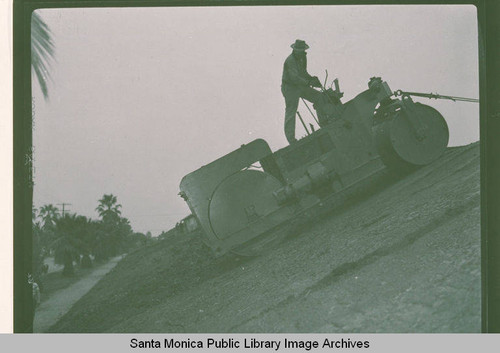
{"x": 312, "y": 80}
{"x": 300, "y": 78}
{"x": 309, "y": 77}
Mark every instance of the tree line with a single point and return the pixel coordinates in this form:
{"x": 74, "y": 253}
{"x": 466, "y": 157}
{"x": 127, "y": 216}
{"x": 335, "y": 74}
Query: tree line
{"x": 73, "y": 238}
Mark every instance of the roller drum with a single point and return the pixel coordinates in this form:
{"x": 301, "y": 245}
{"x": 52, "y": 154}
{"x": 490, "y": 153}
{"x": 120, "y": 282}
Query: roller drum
{"x": 242, "y": 207}
{"x": 412, "y": 140}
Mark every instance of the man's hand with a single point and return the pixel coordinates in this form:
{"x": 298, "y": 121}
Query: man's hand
{"x": 315, "y": 82}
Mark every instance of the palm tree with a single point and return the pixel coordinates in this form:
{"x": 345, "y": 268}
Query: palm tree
{"x": 70, "y": 242}
{"x": 42, "y": 51}
{"x": 49, "y": 214}
{"x": 108, "y": 208}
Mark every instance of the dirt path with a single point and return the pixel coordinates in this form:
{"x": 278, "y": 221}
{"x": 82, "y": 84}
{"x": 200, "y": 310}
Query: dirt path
{"x": 60, "y": 302}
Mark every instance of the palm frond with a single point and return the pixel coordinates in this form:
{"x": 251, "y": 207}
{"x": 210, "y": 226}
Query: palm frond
{"x": 42, "y": 51}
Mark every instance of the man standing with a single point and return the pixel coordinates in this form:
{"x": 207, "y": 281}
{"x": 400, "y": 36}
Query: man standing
{"x": 296, "y": 83}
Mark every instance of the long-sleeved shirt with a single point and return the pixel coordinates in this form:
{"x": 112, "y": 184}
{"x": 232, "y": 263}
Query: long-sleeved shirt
{"x": 295, "y": 71}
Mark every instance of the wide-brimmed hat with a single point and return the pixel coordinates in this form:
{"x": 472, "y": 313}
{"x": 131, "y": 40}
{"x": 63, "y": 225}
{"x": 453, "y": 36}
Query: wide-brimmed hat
{"x": 299, "y": 45}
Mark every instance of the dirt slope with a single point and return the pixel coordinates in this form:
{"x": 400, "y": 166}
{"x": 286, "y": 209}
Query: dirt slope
{"x": 404, "y": 260}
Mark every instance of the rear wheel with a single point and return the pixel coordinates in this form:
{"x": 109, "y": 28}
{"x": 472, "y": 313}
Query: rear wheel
{"x": 244, "y": 214}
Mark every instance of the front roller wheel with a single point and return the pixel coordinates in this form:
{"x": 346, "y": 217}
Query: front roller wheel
{"x": 407, "y": 141}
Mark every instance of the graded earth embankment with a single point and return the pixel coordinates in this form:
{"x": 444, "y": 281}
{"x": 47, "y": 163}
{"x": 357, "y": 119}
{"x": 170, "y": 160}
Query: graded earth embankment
{"x": 406, "y": 259}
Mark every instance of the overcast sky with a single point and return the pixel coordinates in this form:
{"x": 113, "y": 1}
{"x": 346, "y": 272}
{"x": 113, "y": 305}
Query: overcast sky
{"x": 142, "y": 97}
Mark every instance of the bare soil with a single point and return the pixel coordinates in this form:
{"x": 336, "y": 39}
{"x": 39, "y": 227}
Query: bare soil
{"x": 406, "y": 259}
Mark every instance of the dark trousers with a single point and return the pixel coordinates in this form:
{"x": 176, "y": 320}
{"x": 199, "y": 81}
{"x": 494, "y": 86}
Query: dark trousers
{"x": 292, "y": 95}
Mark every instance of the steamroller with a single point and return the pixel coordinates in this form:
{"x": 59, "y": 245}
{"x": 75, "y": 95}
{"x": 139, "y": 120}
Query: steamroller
{"x": 247, "y": 200}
